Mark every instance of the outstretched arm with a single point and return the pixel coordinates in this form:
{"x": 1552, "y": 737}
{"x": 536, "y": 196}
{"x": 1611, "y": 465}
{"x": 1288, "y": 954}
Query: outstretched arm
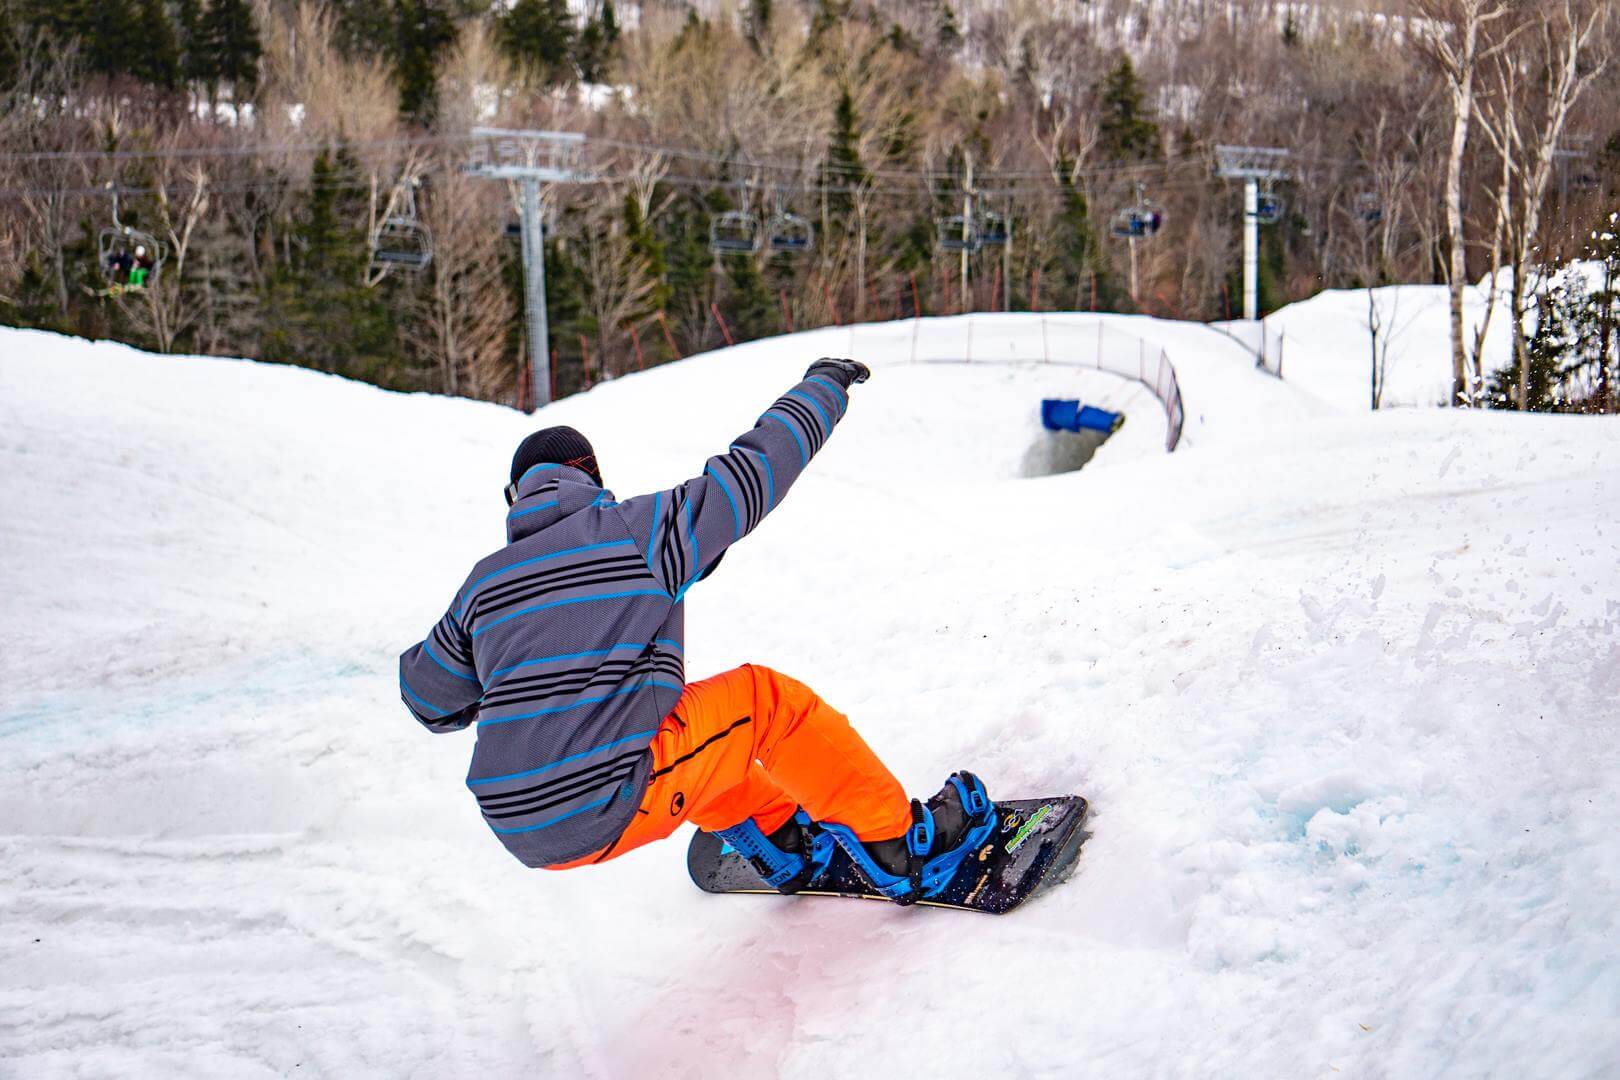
{"x": 684, "y": 531}
{"x": 437, "y": 680}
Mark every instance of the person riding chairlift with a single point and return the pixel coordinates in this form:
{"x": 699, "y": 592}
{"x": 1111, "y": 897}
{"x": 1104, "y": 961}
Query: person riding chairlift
{"x": 142, "y": 269}
{"x": 120, "y": 266}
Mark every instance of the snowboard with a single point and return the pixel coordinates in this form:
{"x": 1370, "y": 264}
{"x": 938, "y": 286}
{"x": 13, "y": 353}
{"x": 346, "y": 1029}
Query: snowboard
{"x": 1035, "y": 847}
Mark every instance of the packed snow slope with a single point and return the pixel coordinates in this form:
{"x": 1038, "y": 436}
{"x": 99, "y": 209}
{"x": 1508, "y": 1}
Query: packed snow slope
{"x": 1328, "y": 341}
{"x": 1342, "y": 689}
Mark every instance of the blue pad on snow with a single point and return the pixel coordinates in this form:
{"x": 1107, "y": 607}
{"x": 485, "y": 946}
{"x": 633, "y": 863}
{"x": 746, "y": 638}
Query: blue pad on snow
{"x": 1067, "y": 414}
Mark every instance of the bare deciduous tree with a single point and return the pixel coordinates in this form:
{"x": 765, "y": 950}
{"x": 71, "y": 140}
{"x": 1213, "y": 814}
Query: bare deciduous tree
{"x": 1560, "y": 51}
{"x": 1452, "y": 32}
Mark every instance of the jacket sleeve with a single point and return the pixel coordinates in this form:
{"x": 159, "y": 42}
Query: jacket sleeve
{"x": 684, "y": 531}
{"x": 437, "y": 680}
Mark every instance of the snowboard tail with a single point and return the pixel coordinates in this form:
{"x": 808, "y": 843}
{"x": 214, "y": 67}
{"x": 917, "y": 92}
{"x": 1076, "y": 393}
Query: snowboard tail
{"x": 1034, "y": 847}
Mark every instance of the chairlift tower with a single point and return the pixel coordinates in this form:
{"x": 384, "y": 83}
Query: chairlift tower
{"x": 529, "y": 159}
{"x": 1251, "y": 164}
{"x": 968, "y": 225}
{"x": 1575, "y": 151}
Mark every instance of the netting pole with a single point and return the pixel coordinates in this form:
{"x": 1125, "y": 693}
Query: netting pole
{"x": 635, "y": 339}
{"x": 831, "y": 305}
{"x": 669, "y": 337}
{"x": 725, "y": 331}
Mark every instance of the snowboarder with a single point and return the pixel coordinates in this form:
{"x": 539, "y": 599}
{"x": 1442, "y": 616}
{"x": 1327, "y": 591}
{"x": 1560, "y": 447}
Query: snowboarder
{"x": 565, "y": 647}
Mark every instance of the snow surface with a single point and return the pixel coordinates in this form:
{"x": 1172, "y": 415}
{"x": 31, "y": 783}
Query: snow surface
{"x": 1342, "y": 687}
{"x": 1327, "y": 346}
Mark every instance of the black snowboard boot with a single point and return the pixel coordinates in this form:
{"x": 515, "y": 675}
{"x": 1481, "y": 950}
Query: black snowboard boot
{"x": 944, "y": 831}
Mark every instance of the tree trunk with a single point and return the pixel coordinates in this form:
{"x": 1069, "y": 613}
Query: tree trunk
{"x": 1521, "y": 348}
{"x": 1462, "y": 97}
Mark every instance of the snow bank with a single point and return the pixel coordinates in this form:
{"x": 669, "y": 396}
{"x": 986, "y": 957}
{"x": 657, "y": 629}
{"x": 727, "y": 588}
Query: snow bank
{"x": 1342, "y": 689}
{"x": 1328, "y": 343}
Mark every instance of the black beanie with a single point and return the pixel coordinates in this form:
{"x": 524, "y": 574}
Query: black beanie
{"x": 555, "y": 446}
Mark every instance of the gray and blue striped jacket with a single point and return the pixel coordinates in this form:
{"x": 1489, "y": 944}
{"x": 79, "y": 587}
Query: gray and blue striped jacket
{"x": 565, "y": 646}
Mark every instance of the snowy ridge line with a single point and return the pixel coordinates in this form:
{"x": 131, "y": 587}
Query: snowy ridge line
{"x": 1028, "y": 338}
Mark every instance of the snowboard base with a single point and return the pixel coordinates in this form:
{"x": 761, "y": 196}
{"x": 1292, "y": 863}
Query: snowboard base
{"x": 1035, "y": 847}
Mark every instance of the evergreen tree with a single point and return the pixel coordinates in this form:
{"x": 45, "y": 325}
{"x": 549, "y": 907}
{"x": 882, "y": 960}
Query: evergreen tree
{"x": 646, "y": 245}
{"x": 153, "y": 50}
{"x": 1126, "y": 133}
{"x": 829, "y": 15}
{"x": 757, "y": 25}
{"x": 104, "y": 30}
{"x": 231, "y": 49}
{"x": 567, "y": 319}
{"x": 747, "y": 304}
{"x": 10, "y": 26}
{"x": 423, "y": 31}
{"x": 319, "y": 310}
{"x": 844, "y": 167}
{"x": 597, "y": 43}
{"x": 1604, "y": 249}
{"x": 365, "y": 27}
{"x": 1080, "y": 266}
{"x": 691, "y": 265}
{"x": 196, "y": 61}
{"x": 1557, "y": 338}
{"x": 538, "y": 36}
{"x": 948, "y": 34}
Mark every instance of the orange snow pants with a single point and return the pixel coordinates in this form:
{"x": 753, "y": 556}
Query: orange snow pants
{"x": 753, "y": 743}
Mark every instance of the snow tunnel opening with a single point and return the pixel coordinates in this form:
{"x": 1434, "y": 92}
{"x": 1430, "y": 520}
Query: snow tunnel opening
{"x": 1071, "y": 433}
{"x": 1055, "y": 452}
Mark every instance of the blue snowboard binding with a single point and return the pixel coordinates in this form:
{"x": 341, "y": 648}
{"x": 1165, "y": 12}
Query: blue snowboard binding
{"x": 793, "y": 857}
{"x": 944, "y": 832}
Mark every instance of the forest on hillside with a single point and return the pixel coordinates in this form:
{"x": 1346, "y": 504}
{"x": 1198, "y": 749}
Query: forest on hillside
{"x": 284, "y": 179}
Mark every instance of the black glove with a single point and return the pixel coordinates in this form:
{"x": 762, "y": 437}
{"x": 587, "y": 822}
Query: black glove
{"x": 843, "y": 372}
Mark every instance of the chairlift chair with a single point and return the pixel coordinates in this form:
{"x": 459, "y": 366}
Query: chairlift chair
{"x": 734, "y": 233}
{"x": 129, "y": 258}
{"x": 957, "y": 233}
{"x": 1269, "y": 208}
{"x": 790, "y": 233}
{"x": 992, "y": 230}
{"x": 402, "y": 240}
{"x": 1137, "y": 223}
{"x": 1369, "y": 208}
{"x": 404, "y": 243}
